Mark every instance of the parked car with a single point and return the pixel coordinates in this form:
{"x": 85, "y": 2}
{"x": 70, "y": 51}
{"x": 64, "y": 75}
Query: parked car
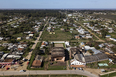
{"x": 22, "y": 71}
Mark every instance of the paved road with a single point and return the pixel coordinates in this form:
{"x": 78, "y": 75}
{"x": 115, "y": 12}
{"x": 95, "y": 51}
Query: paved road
{"x": 49, "y": 72}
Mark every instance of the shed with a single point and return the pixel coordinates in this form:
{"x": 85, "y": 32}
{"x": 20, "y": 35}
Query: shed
{"x": 18, "y": 38}
{"x": 30, "y": 35}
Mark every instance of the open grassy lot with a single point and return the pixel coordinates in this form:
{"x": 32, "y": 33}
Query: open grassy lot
{"x": 112, "y": 17}
{"x": 113, "y": 35}
{"x": 57, "y": 66}
{"x": 109, "y": 75}
{"x": 19, "y": 35}
{"x": 58, "y": 36}
{"x": 95, "y": 64}
{"x": 63, "y": 75}
{"x": 59, "y": 45}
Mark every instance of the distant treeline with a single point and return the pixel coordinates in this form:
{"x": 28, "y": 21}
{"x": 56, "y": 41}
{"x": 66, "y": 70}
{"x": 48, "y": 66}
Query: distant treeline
{"x": 33, "y": 13}
{"x": 91, "y": 11}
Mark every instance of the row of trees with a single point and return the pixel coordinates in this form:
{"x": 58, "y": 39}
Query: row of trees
{"x": 33, "y": 13}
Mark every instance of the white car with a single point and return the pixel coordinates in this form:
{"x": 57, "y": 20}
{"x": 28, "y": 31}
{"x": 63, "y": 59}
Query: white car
{"x": 22, "y": 71}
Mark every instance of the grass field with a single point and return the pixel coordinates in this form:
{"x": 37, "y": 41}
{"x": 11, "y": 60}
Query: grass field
{"x": 19, "y": 35}
{"x": 57, "y": 67}
{"x": 112, "y": 17}
{"x": 58, "y": 36}
{"x": 109, "y": 75}
{"x": 95, "y": 65}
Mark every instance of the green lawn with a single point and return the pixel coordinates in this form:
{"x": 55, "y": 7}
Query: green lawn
{"x": 19, "y": 35}
{"x": 109, "y": 16}
{"x": 57, "y": 67}
{"x": 109, "y": 75}
{"x": 113, "y": 35}
{"x": 95, "y": 64}
{"x": 58, "y": 36}
{"x": 6, "y": 51}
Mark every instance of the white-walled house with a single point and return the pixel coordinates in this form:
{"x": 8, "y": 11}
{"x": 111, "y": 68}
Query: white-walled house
{"x": 1, "y": 38}
{"x": 76, "y": 63}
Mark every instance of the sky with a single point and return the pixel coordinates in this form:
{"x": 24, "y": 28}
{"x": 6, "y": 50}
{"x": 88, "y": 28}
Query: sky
{"x": 57, "y": 4}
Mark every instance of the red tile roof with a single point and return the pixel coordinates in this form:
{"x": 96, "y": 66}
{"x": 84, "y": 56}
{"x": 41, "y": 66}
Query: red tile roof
{"x": 36, "y": 63}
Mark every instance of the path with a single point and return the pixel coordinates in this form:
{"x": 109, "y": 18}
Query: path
{"x": 108, "y": 72}
{"x": 67, "y": 65}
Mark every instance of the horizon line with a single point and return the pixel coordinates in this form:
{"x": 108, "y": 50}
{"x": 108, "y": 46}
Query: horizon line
{"x": 57, "y": 8}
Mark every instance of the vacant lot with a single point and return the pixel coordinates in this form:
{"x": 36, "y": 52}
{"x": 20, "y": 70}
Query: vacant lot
{"x": 112, "y": 17}
{"x": 110, "y": 75}
{"x": 95, "y": 65}
{"x": 58, "y": 36}
{"x": 57, "y": 66}
{"x": 59, "y": 45}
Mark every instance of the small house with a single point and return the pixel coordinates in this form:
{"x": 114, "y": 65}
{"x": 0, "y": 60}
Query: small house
{"x": 38, "y": 61}
{"x": 30, "y": 35}
{"x": 77, "y": 64}
{"x": 1, "y": 38}
{"x": 27, "y": 37}
{"x": 18, "y": 38}
{"x": 108, "y": 36}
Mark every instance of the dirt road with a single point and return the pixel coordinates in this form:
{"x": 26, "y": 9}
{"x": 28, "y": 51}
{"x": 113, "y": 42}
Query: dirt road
{"x": 24, "y": 67}
{"x": 99, "y": 40}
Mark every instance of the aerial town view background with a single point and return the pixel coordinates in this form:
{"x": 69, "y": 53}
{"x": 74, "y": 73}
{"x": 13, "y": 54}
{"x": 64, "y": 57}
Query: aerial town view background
{"x": 57, "y": 42}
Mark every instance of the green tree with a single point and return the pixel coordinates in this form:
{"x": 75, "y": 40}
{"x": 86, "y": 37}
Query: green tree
{"x": 104, "y": 32}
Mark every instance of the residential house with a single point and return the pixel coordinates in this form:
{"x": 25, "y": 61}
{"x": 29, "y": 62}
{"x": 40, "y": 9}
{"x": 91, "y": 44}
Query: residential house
{"x": 77, "y": 64}
{"x": 13, "y": 57}
{"x": 38, "y": 61}
{"x": 108, "y": 50}
{"x": 78, "y": 58}
{"x": 4, "y": 56}
{"x": 27, "y": 37}
{"x": 77, "y": 37}
{"x": 18, "y": 38}
{"x": 7, "y": 62}
{"x": 108, "y": 36}
{"x": 49, "y": 29}
{"x": 30, "y": 35}
{"x": 1, "y": 38}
